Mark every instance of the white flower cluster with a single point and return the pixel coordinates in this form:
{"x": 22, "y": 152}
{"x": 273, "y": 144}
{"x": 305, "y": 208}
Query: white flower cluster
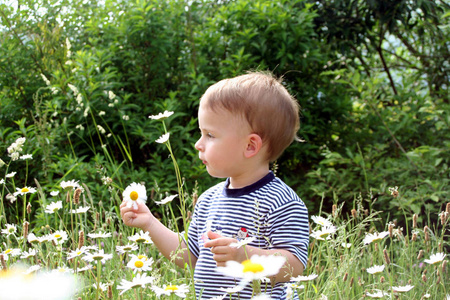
{"x": 15, "y": 148}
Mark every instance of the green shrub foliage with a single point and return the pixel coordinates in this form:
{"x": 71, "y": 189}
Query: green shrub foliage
{"x": 79, "y": 80}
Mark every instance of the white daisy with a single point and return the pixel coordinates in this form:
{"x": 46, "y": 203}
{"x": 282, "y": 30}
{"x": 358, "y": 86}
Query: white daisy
{"x": 377, "y": 294}
{"x": 26, "y": 156}
{"x": 179, "y": 290}
{"x": 98, "y": 256}
{"x": 264, "y": 297}
{"x": 10, "y": 229}
{"x": 126, "y": 248}
{"x": 53, "y": 207}
{"x": 85, "y": 268}
{"x": 99, "y": 235}
{"x": 161, "y": 116}
{"x": 141, "y": 237}
{"x": 135, "y": 193}
{"x": 140, "y": 264}
{"x": 304, "y": 278}
{"x": 2, "y": 181}
{"x": 32, "y": 269}
{"x": 163, "y": 139}
{"x": 254, "y": 268}
{"x": 324, "y": 233}
{"x": 60, "y": 236}
{"x": 321, "y": 221}
{"x": 346, "y": 245}
{"x": 62, "y": 269}
{"x": 375, "y": 237}
{"x": 24, "y": 190}
{"x": 233, "y": 289}
{"x": 28, "y": 254}
{"x": 11, "y": 252}
{"x": 435, "y": 258}
{"x": 32, "y": 238}
{"x": 166, "y": 200}
{"x": 103, "y": 286}
{"x": 80, "y": 210}
{"x": 71, "y": 184}
{"x": 140, "y": 279}
{"x": 243, "y": 242}
{"x": 54, "y": 193}
{"x": 10, "y": 175}
{"x": 375, "y": 269}
{"x": 402, "y": 289}
{"x": 77, "y": 252}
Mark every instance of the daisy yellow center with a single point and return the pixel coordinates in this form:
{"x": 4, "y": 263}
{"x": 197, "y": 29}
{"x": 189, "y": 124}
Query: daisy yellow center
{"x": 142, "y": 257}
{"x": 58, "y": 236}
{"x": 172, "y": 288}
{"x": 127, "y": 249}
{"x": 138, "y": 264}
{"x": 97, "y": 257}
{"x": 79, "y": 252}
{"x": 324, "y": 234}
{"x": 250, "y": 266}
{"x": 24, "y": 190}
{"x": 134, "y": 195}
{"x": 140, "y": 240}
{"x": 12, "y": 229}
{"x": 7, "y": 251}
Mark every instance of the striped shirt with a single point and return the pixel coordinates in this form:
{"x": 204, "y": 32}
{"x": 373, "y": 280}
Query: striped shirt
{"x": 267, "y": 209}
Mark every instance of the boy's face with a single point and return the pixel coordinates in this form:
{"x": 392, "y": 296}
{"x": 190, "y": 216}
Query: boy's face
{"x": 223, "y": 142}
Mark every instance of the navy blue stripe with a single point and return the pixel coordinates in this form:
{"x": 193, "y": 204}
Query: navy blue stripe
{"x": 268, "y": 209}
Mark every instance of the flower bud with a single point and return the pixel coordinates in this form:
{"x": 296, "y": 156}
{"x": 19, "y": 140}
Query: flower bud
{"x": 334, "y": 210}
{"x": 427, "y": 234}
{"x": 29, "y": 208}
{"x": 345, "y": 277}
{"x": 424, "y": 278}
{"x": 386, "y": 257}
{"x": 3, "y": 262}
{"x": 420, "y": 255}
{"x": 354, "y": 213}
{"x": 76, "y": 196}
{"x": 25, "y": 229}
{"x": 391, "y": 229}
{"x": 81, "y": 239}
{"x": 414, "y": 223}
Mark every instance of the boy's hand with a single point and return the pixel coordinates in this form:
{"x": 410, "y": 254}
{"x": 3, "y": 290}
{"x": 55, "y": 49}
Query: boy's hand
{"x": 139, "y": 218}
{"x": 220, "y": 247}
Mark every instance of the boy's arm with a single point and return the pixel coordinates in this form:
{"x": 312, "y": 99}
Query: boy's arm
{"x": 167, "y": 241}
{"x": 220, "y": 247}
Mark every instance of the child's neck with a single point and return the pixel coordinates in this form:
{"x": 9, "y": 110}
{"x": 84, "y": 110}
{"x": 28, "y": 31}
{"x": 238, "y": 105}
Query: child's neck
{"x": 248, "y": 177}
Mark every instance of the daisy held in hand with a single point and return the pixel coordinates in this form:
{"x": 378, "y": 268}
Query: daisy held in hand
{"x": 134, "y": 193}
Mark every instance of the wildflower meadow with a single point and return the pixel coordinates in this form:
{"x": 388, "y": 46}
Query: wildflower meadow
{"x": 98, "y": 108}
{"x": 85, "y": 252}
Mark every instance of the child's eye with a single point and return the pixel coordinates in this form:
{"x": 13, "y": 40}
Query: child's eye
{"x": 209, "y": 135}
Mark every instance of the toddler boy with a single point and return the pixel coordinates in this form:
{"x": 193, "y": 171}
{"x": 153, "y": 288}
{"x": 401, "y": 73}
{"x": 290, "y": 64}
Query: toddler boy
{"x": 246, "y": 122}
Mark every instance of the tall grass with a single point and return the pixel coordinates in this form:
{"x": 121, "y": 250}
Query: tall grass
{"x": 351, "y": 256}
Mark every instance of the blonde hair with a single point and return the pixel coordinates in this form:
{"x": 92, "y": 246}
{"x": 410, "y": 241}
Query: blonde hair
{"x": 264, "y": 103}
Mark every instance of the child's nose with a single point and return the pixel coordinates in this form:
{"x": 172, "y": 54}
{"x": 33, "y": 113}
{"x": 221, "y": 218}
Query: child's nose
{"x": 198, "y": 145}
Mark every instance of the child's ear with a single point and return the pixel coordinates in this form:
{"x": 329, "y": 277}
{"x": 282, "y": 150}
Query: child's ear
{"x": 254, "y": 144}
